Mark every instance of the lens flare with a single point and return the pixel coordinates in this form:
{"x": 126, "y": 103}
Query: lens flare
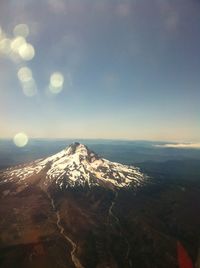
{"x": 24, "y": 74}
{"x": 56, "y": 82}
{"x": 57, "y": 79}
{"x": 5, "y": 46}
{"x": 17, "y": 49}
{"x": 29, "y": 88}
{"x": 27, "y": 52}
{"x": 21, "y": 30}
{"x": 17, "y": 43}
{"x": 27, "y": 81}
{"x": 20, "y": 139}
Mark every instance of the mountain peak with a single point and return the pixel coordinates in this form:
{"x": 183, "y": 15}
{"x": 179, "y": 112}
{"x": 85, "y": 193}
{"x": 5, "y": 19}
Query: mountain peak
{"x": 77, "y": 147}
{"x": 77, "y": 165}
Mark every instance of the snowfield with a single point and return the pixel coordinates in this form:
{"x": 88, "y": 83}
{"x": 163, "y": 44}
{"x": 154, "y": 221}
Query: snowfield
{"x": 74, "y": 166}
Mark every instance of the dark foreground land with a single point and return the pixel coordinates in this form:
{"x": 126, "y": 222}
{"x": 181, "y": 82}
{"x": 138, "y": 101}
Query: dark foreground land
{"x": 97, "y": 227}
{"x": 131, "y": 229}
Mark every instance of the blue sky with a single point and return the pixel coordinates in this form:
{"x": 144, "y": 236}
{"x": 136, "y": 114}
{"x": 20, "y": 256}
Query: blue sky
{"x": 130, "y": 68}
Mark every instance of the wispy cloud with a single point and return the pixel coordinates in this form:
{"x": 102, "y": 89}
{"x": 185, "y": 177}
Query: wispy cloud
{"x": 180, "y": 145}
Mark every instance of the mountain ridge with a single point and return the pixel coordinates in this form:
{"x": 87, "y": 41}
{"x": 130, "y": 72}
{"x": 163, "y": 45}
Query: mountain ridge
{"x": 74, "y": 166}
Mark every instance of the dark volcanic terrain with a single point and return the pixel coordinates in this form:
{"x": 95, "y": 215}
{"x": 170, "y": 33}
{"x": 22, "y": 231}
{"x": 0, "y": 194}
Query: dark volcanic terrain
{"x": 75, "y": 209}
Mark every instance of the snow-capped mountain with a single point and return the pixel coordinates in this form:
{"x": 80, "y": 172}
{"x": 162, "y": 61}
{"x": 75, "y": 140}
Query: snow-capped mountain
{"x": 47, "y": 222}
{"x": 74, "y": 166}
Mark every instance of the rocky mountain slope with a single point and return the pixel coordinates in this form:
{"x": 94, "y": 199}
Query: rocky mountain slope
{"x": 77, "y": 210}
{"x": 76, "y": 166}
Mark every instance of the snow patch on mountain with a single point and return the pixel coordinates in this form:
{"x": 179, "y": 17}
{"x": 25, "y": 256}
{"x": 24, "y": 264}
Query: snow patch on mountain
{"x": 76, "y": 166}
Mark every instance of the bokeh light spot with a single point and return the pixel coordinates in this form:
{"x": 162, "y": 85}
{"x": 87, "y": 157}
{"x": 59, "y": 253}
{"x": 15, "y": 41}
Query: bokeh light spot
{"x": 21, "y": 30}
{"x": 20, "y": 139}
{"x": 27, "y": 52}
{"x": 16, "y": 43}
{"x": 29, "y": 88}
{"x": 27, "y": 81}
{"x": 24, "y": 74}
{"x": 5, "y": 46}
{"x": 56, "y": 82}
{"x": 57, "y": 79}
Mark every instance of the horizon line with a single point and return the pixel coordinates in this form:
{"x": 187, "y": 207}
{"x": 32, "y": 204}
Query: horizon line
{"x": 107, "y": 139}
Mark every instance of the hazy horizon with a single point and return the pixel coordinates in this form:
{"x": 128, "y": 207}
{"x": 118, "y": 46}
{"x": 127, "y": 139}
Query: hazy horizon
{"x": 154, "y": 143}
{"x": 177, "y": 141}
